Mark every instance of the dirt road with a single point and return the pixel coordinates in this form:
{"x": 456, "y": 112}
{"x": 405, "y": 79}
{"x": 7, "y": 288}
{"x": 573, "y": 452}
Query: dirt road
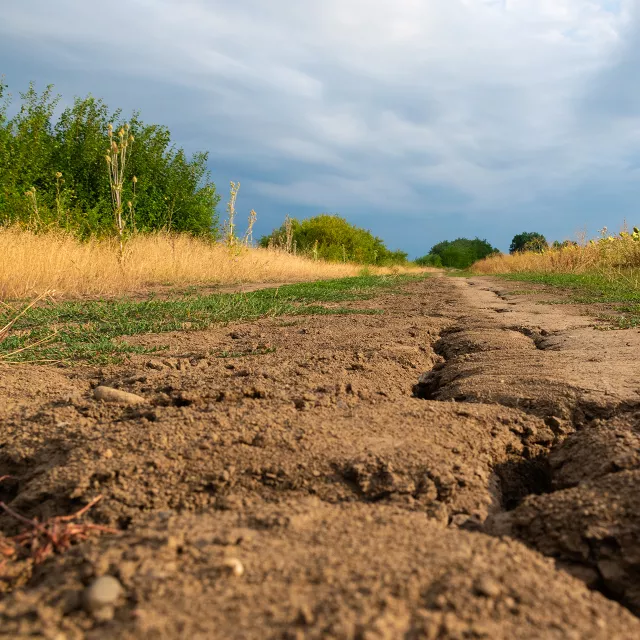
{"x": 464, "y": 465}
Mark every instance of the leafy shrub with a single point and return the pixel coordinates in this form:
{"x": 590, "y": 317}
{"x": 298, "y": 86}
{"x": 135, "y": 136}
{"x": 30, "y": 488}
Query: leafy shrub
{"x": 528, "y": 241}
{"x": 458, "y": 254}
{"x": 53, "y": 173}
{"x": 332, "y": 238}
{"x": 430, "y": 260}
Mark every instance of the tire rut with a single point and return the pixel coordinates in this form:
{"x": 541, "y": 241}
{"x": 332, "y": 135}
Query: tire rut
{"x": 575, "y": 465}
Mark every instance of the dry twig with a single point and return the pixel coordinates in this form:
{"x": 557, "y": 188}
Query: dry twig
{"x": 56, "y": 535}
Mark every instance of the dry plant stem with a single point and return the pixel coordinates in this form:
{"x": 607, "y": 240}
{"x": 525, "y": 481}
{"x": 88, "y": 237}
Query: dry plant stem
{"x": 116, "y": 163}
{"x": 4, "y": 331}
{"x": 288, "y": 229}
{"x": 230, "y": 226}
{"x": 55, "y": 535}
{"x": 33, "y": 200}
{"x": 61, "y": 211}
{"x": 248, "y": 236}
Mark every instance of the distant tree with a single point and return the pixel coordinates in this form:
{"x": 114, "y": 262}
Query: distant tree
{"x": 458, "y": 254}
{"x": 333, "y": 238}
{"x": 430, "y": 260}
{"x": 528, "y": 241}
{"x": 556, "y": 244}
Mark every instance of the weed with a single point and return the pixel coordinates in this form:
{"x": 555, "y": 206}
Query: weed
{"x": 230, "y": 225}
{"x": 116, "y": 162}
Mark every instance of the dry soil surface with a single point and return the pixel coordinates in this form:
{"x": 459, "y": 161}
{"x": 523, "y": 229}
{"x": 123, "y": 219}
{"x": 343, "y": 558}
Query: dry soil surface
{"x": 464, "y": 465}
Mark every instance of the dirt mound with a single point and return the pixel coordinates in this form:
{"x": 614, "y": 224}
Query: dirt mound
{"x": 606, "y": 446}
{"x": 592, "y": 529}
{"x": 287, "y": 479}
{"x": 314, "y": 570}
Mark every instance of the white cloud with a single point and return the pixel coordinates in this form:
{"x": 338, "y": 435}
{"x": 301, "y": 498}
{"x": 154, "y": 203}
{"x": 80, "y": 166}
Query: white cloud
{"x": 484, "y": 97}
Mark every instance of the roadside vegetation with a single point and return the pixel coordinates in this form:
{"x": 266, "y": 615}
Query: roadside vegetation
{"x": 332, "y": 238}
{"x": 603, "y": 270}
{"x": 92, "y": 331}
{"x": 31, "y": 263}
{"x": 58, "y": 173}
{"x": 457, "y": 254}
{"x": 93, "y": 204}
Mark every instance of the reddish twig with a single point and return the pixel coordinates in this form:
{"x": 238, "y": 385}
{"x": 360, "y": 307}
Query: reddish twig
{"x": 55, "y": 535}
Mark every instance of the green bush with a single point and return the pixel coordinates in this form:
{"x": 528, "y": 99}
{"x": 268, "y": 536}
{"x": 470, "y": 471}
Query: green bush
{"x": 458, "y": 254}
{"x": 430, "y": 260}
{"x": 62, "y": 166}
{"x": 332, "y": 238}
{"x": 528, "y": 241}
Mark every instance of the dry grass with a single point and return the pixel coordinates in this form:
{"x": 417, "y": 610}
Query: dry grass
{"x": 608, "y": 256}
{"x": 31, "y": 264}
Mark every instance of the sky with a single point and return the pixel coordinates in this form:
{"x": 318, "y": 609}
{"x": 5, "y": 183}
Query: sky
{"x": 421, "y": 120}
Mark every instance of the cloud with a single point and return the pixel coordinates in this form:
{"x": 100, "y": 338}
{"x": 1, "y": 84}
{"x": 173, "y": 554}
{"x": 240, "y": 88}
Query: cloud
{"x": 370, "y": 106}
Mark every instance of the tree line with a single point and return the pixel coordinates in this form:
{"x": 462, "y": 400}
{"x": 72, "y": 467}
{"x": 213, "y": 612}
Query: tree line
{"x": 59, "y": 173}
{"x": 55, "y": 173}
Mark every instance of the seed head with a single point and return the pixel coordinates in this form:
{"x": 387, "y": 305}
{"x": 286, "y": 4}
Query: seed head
{"x": 135, "y": 179}
{"x": 108, "y": 159}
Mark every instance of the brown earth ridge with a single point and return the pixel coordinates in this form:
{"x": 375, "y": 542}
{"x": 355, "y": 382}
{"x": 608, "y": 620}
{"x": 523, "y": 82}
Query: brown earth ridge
{"x": 465, "y": 464}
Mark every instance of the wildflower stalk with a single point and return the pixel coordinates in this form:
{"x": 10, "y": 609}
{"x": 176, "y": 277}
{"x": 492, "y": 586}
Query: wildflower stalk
{"x": 230, "y": 226}
{"x": 248, "y": 236}
{"x": 119, "y": 147}
{"x": 60, "y": 210}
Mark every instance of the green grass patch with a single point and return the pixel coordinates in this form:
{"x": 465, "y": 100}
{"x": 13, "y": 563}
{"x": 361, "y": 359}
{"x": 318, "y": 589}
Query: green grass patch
{"x": 67, "y": 332}
{"x": 622, "y": 293}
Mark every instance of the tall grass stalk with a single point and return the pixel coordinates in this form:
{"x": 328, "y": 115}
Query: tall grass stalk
{"x": 116, "y": 163}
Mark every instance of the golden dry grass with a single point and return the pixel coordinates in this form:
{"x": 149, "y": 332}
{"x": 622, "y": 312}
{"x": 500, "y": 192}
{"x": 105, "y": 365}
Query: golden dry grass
{"x": 31, "y": 264}
{"x": 609, "y": 255}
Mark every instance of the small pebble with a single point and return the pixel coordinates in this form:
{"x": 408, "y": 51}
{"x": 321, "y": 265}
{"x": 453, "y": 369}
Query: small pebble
{"x": 233, "y": 566}
{"x": 108, "y": 394}
{"x": 102, "y": 594}
{"x": 487, "y": 587}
